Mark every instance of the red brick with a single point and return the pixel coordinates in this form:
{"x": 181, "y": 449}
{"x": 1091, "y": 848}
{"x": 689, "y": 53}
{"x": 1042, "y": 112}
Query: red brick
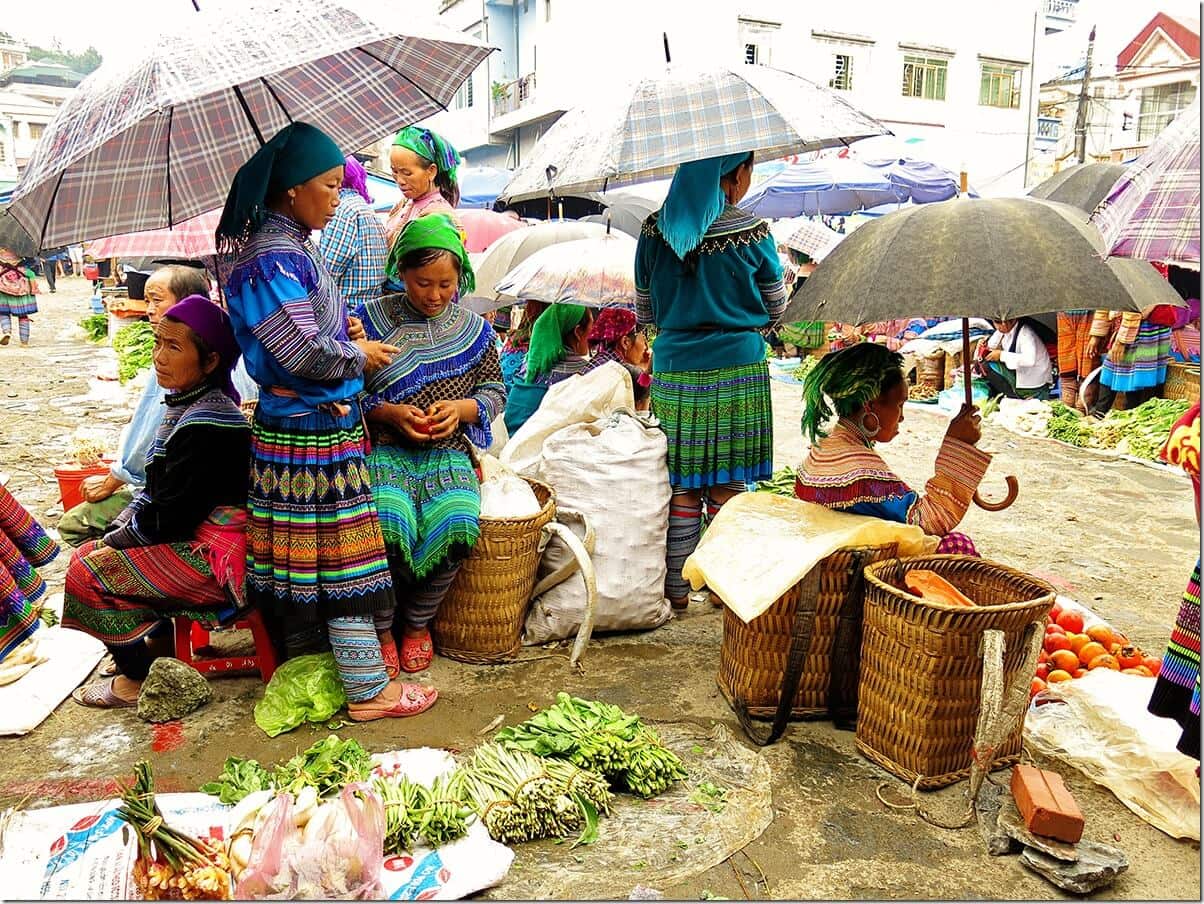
{"x": 1046, "y": 805}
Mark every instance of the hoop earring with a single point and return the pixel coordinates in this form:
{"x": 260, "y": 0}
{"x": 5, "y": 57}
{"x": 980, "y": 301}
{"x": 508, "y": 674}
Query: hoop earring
{"x": 865, "y": 431}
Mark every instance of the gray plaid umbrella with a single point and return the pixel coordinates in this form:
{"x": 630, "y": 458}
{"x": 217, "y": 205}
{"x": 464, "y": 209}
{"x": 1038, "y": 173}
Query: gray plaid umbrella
{"x": 644, "y": 127}
{"x": 155, "y": 138}
{"x": 1083, "y": 185}
{"x": 14, "y": 237}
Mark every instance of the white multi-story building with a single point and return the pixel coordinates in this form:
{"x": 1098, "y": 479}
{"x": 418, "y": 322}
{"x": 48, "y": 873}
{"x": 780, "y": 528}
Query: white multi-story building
{"x": 958, "y": 77}
{"x": 30, "y": 95}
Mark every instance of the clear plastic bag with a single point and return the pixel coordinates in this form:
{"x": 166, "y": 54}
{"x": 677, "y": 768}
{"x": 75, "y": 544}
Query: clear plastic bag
{"x": 338, "y": 854}
{"x": 1100, "y": 725}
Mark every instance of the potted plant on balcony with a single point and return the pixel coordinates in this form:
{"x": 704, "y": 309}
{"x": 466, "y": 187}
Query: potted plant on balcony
{"x": 500, "y": 91}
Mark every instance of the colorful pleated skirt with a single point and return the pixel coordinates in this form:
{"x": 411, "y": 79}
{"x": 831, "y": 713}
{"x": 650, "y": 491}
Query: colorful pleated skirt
{"x": 23, "y": 547}
{"x": 1143, "y": 365}
{"x": 1074, "y": 338}
{"x": 1177, "y": 691}
{"x": 314, "y": 545}
{"x": 429, "y": 502}
{"x": 18, "y": 305}
{"x": 719, "y": 424}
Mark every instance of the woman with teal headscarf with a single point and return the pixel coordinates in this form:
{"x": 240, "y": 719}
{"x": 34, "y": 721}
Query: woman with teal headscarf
{"x": 424, "y": 166}
{"x": 427, "y": 410}
{"x": 315, "y": 554}
{"x": 559, "y": 349}
{"x": 707, "y": 275}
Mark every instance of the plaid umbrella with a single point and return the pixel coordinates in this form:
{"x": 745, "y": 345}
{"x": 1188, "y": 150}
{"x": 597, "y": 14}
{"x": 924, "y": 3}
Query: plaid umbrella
{"x": 598, "y": 273}
{"x": 190, "y": 239}
{"x": 1083, "y": 185}
{"x": 14, "y": 237}
{"x": 812, "y": 238}
{"x": 1153, "y": 211}
{"x": 644, "y": 127}
{"x": 155, "y": 138}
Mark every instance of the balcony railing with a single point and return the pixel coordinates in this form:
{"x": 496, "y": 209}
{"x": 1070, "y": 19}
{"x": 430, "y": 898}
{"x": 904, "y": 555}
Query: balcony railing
{"x": 1049, "y": 128}
{"x": 509, "y": 96}
{"x": 1059, "y": 14}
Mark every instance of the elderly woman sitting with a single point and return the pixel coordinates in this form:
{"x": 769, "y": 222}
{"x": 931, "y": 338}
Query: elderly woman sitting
{"x": 179, "y": 548}
{"x": 866, "y": 387}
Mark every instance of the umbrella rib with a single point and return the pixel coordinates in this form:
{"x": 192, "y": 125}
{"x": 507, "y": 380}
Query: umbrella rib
{"x": 49, "y": 207}
{"x": 247, "y": 111}
{"x": 392, "y": 68}
{"x": 170, "y": 115}
{"x": 279, "y": 102}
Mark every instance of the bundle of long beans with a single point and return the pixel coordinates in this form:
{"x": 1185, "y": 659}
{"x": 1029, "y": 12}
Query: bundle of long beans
{"x": 516, "y": 798}
{"x": 437, "y": 815}
{"x": 171, "y": 865}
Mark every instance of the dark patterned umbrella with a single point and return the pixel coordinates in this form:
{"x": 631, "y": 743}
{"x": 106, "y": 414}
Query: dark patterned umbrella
{"x": 14, "y": 237}
{"x": 1083, "y": 185}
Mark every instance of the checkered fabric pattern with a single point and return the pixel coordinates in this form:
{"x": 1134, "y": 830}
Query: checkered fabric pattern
{"x": 354, "y": 247}
{"x": 155, "y": 140}
{"x": 192, "y": 238}
{"x": 645, "y": 127}
{"x": 1153, "y": 211}
{"x": 814, "y": 239}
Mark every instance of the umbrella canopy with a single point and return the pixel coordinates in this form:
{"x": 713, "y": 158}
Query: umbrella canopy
{"x": 14, "y": 236}
{"x": 1153, "y": 210}
{"x": 627, "y": 208}
{"x": 190, "y": 239}
{"x": 597, "y": 272}
{"x": 484, "y": 227}
{"x": 999, "y": 258}
{"x": 512, "y": 249}
{"x": 154, "y": 138}
{"x": 829, "y": 185}
{"x": 481, "y": 185}
{"x": 642, "y": 128}
{"x": 812, "y": 238}
{"x": 920, "y": 180}
{"x": 1083, "y": 185}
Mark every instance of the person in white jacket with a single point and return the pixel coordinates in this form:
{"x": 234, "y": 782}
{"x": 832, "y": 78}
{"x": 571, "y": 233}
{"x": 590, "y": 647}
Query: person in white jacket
{"x": 1017, "y": 363}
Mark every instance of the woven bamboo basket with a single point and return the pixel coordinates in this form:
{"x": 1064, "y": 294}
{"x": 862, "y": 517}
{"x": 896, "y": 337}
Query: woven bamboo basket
{"x": 481, "y": 618}
{"x": 921, "y": 666}
{"x": 930, "y": 371}
{"x": 1182, "y": 381}
{"x": 752, "y": 657}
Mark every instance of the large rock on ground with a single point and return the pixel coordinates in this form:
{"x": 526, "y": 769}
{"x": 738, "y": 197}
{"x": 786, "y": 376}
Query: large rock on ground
{"x": 1098, "y": 865}
{"x": 172, "y": 690}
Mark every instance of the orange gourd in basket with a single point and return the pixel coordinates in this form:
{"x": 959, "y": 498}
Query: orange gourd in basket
{"x": 930, "y": 586}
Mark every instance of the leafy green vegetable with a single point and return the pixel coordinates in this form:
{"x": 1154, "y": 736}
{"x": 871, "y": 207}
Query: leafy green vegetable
{"x": 96, "y": 326}
{"x": 327, "y": 766}
{"x": 781, "y": 483}
{"x": 239, "y": 778}
{"x": 134, "y": 345}
{"x": 710, "y": 796}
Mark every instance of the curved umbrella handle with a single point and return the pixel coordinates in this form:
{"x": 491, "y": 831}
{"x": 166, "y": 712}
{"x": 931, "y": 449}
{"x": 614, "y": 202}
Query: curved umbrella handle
{"x": 1013, "y": 492}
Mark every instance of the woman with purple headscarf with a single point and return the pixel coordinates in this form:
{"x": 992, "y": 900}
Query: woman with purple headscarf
{"x": 353, "y": 242}
{"x": 179, "y": 549}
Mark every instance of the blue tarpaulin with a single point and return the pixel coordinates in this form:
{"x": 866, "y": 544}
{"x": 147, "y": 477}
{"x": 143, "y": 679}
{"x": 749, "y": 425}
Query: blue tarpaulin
{"x": 830, "y": 185}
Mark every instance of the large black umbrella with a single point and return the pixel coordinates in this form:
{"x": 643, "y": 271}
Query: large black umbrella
{"x": 14, "y": 237}
{"x": 1083, "y": 185}
{"x": 1000, "y": 258}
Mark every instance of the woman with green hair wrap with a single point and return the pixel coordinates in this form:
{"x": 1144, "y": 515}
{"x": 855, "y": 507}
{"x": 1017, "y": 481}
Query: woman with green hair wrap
{"x": 559, "y": 349}
{"x": 864, "y": 389}
{"x": 424, "y": 166}
{"x": 427, "y": 410}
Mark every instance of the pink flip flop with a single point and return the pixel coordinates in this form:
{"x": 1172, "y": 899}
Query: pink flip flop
{"x": 100, "y": 695}
{"x": 414, "y": 699}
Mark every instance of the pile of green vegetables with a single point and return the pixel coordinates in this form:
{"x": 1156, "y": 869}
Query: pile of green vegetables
{"x": 599, "y": 738}
{"x": 134, "y": 345}
{"x": 326, "y": 767}
{"x": 1068, "y": 425}
{"x": 436, "y": 815}
{"x": 96, "y": 326}
{"x": 781, "y": 483}
{"x": 1139, "y": 432}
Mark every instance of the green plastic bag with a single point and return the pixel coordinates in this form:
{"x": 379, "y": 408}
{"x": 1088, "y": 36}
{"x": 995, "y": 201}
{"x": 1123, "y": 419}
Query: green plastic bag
{"x": 305, "y": 689}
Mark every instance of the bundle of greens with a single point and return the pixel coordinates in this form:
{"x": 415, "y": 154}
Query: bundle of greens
{"x": 239, "y": 778}
{"x": 437, "y": 815}
{"x": 96, "y": 326}
{"x": 1140, "y": 431}
{"x": 134, "y": 345}
{"x": 600, "y": 738}
{"x": 327, "y": 766}
{"x": 781, "y": 483}
{"x": 1068, "y": 425}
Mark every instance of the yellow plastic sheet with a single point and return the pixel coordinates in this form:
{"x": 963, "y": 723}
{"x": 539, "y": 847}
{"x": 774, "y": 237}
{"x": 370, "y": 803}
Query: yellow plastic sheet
{"x": 761, "y": 544}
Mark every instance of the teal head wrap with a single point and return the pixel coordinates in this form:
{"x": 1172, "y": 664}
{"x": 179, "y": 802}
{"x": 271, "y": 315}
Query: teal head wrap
{"x": 547, "y": 337}
{"x": 295, "y": 154}
{"x": 846, "y": 380}
{"x": 434, "y": 148}
{"x": 434, "y": 231}
{"x": 694, "y": 201}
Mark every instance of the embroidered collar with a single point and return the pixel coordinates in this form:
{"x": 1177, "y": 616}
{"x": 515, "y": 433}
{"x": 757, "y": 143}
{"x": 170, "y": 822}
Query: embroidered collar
{"x": 733, "y": 227}
{"x": 176, "y": 399}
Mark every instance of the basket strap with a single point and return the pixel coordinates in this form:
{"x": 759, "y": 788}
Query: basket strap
{"x": 845, "y": 670}
{"x": 800, "y": 645}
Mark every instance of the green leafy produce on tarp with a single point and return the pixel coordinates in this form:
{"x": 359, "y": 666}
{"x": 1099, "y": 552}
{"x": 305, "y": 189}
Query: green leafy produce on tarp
{"x": 96, "y": 326}
{"x": 134, "y": 345}
{"x": 304, "y": 689}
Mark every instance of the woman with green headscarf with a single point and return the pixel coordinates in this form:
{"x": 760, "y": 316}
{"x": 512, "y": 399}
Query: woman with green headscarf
{"x": 427, "y": 410}
{"x": 424, "y": 166}
{"x": 864, "y": 389}
{"x": 315, "y": 555}
{"x": 559, "y": 349}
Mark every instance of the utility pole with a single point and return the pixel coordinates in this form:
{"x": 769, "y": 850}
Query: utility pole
{"x": 1080, "y": 121}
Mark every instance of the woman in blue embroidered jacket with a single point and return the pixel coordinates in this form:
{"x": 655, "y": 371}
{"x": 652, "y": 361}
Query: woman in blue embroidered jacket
{"x": 314, "y": 548}
{"x": 427, "y": 410}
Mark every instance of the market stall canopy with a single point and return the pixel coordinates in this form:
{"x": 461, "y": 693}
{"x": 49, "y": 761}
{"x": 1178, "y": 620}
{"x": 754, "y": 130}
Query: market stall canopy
{"x": 1153, "y": 211}
{"x": 480, "y": 186}
{"x": 511, "y": 250}
{"x": 643, "y": 127}
{"x": 920, "y": 180}
{"x": 999, "y": 258}
{"x": 190, "y": 239}
{"x": 384, "y": 192}
{"x": 829, "y": 185}
{"x": 811, "y": 237}
{"x": 1083, "y": 185}
{"x": 155, "y": 137}
{"x": 597, "y": 272}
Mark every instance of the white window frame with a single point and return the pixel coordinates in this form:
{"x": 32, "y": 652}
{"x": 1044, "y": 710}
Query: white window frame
{"x": 1166, "y": 105}
{"x": 756, "y": 40}
{"x": 842, "y": 75}
{"x": 996, "y": 73}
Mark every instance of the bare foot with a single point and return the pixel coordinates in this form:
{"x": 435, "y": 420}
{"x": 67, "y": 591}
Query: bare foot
{"x": 126, "y": 688}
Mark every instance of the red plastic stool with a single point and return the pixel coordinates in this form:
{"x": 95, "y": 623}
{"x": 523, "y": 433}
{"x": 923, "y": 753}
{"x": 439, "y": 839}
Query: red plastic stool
{"x": 192, "y": 636}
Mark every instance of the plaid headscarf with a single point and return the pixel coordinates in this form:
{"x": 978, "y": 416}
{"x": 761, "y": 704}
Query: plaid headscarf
{"x": 430, "y": 146}
{"x": 547, "y": 338}
{"x": 846, "y": 380}
{"x": 356, "y": 177}
{"x": 435, "y": 230}
{"x": 694, "y": 201}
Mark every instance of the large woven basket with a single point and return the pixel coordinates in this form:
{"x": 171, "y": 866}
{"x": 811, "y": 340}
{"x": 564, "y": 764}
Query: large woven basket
{"x": 481, "y": 618}
{"x": 1182, "y": 381}
{"x": 930, "y": 371}
{"x": 921, "y": 664}
{"x": 752, "y": 657}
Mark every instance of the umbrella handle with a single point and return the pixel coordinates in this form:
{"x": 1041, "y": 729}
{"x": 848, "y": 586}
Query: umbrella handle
{"x": 1013, "y": 492}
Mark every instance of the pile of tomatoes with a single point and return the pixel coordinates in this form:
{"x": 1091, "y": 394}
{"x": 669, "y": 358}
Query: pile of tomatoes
{"x": 1071, "y": 652}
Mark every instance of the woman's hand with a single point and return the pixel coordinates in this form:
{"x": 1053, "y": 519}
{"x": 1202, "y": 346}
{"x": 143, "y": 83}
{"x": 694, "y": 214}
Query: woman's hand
{"x": 1116, "y": 354}
{"x": 355, "y": 329}
{"x": 413, "y": 423}
{"x": 378, "y": 354}
{"x": 967, "y": 426}
{"x": 994, "y": 355}
{"x": 1095, "y": 346}
{"x": 443, "y": 419}
{"x": 100, "y": 487}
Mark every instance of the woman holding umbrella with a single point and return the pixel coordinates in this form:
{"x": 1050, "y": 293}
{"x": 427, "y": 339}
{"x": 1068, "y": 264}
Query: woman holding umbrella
{"x": 316, "y": 556}
{"x": 707, "y": 275}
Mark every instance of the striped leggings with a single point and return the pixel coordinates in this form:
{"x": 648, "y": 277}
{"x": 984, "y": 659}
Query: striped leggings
{"x": 6, "y": 326}
{"x": 356, "y": 649}
{"x": 685, "y": 529}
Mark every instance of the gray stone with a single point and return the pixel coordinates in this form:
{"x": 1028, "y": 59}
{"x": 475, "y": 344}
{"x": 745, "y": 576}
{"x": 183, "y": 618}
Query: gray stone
{"x": 1098, "y": 866}
{"x": 644, "y": 893}
{"x": 986, "y": 808}
{"x": 1012, "y": 822}
{"x": 171, "y": 690}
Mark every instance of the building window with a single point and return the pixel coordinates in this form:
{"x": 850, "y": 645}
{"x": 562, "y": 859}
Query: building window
{"x": 756, "y": 39}
{"x": 842, "y": 73}
{"x": 1000, "y": 86}
{"x": 463, "y": 97}
{"x": 36, "y": 129}
{"x": 1160, "y": 105}
{"x": 924, "y": 77}
{"x": 751, "y": 54}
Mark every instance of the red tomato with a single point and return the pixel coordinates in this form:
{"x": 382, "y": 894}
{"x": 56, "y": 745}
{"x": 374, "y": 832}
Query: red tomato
{"x": 1129, "y": 658}
{"x": 1043, "y": 670}
{"x": 1054, "y": 628}
{"x": 1071, "y": 621}
{"x": 1153, "y": 663}
{"x": 1055, "y": 611}
{"x": 1036, "y": 687}
{"x": 1055, "y": 642}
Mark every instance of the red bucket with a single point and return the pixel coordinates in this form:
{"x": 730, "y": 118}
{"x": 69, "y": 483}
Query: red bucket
{"x": 71, "y": 478}
{"x": 92, "y": 271}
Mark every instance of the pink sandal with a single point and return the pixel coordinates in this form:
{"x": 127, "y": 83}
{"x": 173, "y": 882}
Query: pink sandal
{"x": 415, "y": 699}
{"x": 100, "y": 695}
{"x": 388, "y": 652}
{"x": 417, "y": 652}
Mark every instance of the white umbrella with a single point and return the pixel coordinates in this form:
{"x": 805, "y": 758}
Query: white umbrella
{"x": 644, "y": 127}
{"x": 597, "y": 272}
{"x": 513, "y": 248}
